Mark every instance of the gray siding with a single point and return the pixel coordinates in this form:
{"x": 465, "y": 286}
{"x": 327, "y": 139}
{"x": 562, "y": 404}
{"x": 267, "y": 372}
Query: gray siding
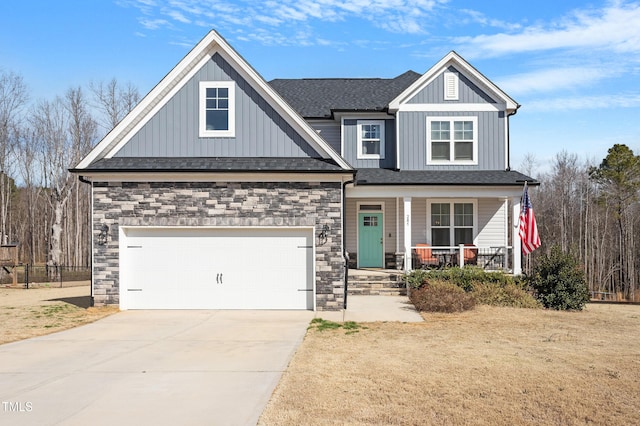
{"x": 260, "y": 131}
{"x": 413, "y": 140}
{"x": 330, "y": 131}
{"x": 350, "y": 140}
{"x": 434, "y": 93}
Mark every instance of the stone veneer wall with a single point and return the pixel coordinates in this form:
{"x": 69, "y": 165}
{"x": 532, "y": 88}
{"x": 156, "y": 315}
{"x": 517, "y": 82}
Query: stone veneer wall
{"x": 224, "y": 204}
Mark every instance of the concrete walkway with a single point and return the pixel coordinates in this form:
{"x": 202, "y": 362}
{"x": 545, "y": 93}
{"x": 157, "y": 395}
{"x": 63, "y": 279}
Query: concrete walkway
{"x": 374, "y": 308}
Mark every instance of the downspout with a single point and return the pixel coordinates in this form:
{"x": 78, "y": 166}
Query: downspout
{"x": 515, "y": 111}
{"x": 88, "y": 182}
{"x": 345, "y": 255}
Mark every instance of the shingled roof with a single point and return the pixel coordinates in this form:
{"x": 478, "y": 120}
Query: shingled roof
{"x": 442, "y": 177}
{"x": 321, "y": 97}
{"x": 212, "y": 164}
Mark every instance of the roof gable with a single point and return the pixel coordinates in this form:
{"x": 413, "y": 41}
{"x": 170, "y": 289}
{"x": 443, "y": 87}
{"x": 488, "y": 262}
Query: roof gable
{"x": 179, "y": 76}
{"x": 481, "y": 85}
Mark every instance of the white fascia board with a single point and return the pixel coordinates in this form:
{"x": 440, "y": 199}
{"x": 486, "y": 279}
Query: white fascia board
{"x": 432, "y": 191}
{"x": 452, "y": 58}
{"x": 215, "y": 177}
{"x": 451, "y": 107}
{"x": 141, "y": 112}
{"x": 212, "y": 43}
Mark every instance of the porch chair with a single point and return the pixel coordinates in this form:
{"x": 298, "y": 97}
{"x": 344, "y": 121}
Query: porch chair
{"x": 470, "y": 255}
{"x": 424, "y": 257}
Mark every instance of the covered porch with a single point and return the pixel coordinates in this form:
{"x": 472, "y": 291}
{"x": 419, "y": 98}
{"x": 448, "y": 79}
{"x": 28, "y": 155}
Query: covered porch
{"x": 406, "y": 227}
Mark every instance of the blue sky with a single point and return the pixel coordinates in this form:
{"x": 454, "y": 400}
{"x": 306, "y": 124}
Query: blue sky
{"x": 574, "y": 66}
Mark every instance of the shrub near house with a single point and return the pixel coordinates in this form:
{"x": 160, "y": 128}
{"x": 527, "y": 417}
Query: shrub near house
{"x": 559, "y": 282}
{"x": 456, "y": 290}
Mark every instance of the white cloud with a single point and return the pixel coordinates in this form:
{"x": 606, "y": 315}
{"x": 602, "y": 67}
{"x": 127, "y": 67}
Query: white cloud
{"x": 552, "y": 79}
{"x": 614, "y": 28}
{"x": 631, "y": 100}
{"x": 482, "y": 19}
{"x": 153, "y": 24}
{"x": 396, "y": 16}
{"x": 177, "y": 16}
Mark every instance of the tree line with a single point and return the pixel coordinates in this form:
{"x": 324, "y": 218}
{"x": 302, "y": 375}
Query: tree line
{"x": 587, "y": 208}
{"x": 592, "y": 211}
{"x": 43, "y": 207}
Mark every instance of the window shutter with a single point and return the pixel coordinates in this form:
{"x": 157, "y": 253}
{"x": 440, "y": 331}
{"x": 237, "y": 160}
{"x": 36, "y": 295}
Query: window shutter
{"x": 450, "y": 86}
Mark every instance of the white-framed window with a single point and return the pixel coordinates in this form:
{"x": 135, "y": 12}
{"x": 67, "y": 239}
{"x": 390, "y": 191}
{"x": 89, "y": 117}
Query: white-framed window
{"x": 451, "y": 223}
{"x": 371, "y": 139}
{"x": 450, "y": 86}
{"x": 217, "y": 109}
{"x": 452, "y": 140}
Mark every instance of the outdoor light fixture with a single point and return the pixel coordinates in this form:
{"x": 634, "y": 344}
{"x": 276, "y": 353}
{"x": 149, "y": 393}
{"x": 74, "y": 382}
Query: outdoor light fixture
{"x": 322, "y": 236}
{"x": 103, "y": 235}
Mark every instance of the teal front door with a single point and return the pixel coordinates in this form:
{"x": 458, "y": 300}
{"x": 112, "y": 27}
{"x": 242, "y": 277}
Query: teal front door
{"x": 370, "y": 249}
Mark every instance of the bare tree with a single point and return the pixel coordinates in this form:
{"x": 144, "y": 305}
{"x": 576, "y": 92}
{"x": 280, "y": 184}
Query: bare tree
{"x": 114, "y": 101}
{"x": 13, "y": 96}
{"x": 66, "y": 131}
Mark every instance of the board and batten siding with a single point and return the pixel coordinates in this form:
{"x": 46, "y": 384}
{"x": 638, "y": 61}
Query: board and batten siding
{"x": 468, "y": 93}
{"x": 260, "y": 130}
{"x": 350, "y": 140}
{"x": 413, "y": 140}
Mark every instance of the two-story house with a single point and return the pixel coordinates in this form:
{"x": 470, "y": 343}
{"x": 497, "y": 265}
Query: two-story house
{"x": 222, "y": 191}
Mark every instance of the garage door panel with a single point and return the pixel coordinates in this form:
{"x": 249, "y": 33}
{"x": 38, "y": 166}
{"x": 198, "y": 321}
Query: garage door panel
{"x": 191, "y": 268}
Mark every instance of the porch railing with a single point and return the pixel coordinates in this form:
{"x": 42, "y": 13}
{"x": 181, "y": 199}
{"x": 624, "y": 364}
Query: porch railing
{"x": 491, "y": 258}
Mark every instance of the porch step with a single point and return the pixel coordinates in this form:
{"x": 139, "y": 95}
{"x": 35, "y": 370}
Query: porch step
{"x": 370, "y": 283}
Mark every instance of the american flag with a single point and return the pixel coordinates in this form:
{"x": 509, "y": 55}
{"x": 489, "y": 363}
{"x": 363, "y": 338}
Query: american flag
{"x": 528, "y": 228}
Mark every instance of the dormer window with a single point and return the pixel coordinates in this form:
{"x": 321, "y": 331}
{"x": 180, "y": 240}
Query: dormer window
{"x": 452, "y": 140}
{"x": 371, "y": 139}
{"x": 450, "y": 86}
{"x": 217, "y": 109}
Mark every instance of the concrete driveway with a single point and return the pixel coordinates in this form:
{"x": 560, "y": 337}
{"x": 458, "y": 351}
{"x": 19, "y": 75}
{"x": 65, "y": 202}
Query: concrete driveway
{"x": 151, "y": 367}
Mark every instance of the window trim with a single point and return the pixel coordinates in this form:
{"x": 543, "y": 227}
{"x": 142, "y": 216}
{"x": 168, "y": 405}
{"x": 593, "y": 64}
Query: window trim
{"x": 363, "y": 156}
{"x": 452, "y": 227}
{"x": 202, "y": 126}
{"x": 452, "y": 159}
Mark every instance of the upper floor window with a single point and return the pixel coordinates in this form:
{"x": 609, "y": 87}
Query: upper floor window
{"x": 371, "y": 139}
{"x": 452, "y": 140}
{"x": 217, "y": 109}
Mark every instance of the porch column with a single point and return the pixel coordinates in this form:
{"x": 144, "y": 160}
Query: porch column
{"x": 515, "y": 238}
{"x": 407, "y": 234}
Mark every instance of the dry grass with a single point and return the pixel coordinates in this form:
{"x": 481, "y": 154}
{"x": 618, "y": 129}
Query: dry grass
{"x": 488, "y": 366}
{"x": 39, "y": 311}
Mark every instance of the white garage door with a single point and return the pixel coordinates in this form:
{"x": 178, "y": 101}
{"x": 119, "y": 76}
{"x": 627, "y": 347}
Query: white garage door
{"x": 210, "y": 268}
